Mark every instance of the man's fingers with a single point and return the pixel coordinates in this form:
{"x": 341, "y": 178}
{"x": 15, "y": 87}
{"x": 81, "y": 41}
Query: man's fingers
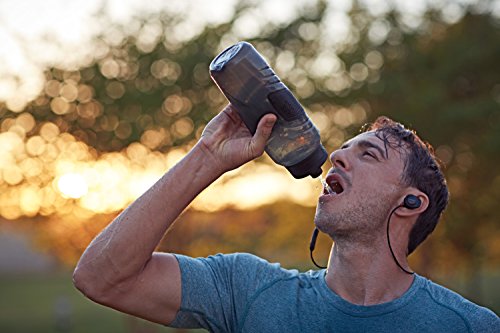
{"x": 264, "y": 129}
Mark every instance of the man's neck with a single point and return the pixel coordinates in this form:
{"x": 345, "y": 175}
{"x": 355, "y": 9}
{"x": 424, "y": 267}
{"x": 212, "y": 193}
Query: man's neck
{"x": 365, "y": 275}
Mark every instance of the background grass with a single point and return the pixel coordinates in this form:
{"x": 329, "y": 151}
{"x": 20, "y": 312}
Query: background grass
{"x": 50, "y": 303}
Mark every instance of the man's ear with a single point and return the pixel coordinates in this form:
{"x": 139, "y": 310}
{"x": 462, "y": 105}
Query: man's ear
{"x": 407, "y": 211}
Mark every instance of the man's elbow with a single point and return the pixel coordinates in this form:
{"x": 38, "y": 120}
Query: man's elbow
{"x": 88, "y": 283}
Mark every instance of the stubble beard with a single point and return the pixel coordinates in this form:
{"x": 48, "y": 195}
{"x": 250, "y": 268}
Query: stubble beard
{"x": 353, "y": 223}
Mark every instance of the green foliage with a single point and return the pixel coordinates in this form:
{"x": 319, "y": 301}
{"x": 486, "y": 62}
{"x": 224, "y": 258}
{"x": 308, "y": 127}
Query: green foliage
{"x": 128, "y": 92}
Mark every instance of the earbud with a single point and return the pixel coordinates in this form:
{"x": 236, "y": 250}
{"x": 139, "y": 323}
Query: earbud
{"x": 411, "y": 202}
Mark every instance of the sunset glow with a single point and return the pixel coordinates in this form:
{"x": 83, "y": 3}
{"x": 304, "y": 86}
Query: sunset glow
{"x": 53, "y": 173}
{"x": 72, "y": 185}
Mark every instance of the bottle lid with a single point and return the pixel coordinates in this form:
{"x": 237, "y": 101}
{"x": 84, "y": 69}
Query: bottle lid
{"x": 225, "y": 56}
{"x": 311, "y": 165}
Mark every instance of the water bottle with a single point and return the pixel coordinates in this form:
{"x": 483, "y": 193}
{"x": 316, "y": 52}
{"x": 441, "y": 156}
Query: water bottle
{"x": 253, "y": 88}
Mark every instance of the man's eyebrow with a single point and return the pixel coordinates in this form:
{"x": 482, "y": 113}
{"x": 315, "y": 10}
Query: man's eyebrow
{"x": 367, "y": 144}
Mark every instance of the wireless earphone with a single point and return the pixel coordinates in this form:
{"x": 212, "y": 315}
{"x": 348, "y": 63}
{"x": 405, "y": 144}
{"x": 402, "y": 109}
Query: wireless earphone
{"x": 411, "y": 202}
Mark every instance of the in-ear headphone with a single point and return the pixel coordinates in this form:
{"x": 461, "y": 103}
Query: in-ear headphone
{"x": 411, "y": 202}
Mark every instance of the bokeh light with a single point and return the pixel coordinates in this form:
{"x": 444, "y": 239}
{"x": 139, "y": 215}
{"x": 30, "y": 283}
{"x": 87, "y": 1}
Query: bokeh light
{"x": 72, "y": 185}
{"x": 44, "y": 172}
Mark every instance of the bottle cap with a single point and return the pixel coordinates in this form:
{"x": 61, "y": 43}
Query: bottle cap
{"x": 311, "y": 165}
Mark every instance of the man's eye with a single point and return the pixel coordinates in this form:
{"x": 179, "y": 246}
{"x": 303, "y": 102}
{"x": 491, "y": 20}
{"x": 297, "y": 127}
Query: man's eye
{"x": 367, "y": 153}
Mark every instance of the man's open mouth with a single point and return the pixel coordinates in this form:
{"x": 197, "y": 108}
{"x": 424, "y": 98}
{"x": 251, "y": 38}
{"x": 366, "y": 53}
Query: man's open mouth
{"x": 332, "y": 187}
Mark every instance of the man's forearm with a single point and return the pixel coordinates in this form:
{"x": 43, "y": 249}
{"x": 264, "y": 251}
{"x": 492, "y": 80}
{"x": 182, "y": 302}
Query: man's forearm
{"x": 126, "y": 245}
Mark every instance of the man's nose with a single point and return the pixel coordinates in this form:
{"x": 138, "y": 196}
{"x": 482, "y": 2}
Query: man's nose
{"x": 339, "y": 159}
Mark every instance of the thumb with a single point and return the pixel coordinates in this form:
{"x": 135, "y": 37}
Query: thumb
{"x": 264, "y": 129}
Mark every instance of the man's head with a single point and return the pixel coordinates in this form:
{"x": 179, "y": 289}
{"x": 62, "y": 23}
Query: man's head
{"x": 421, "y": 170}
{"x": 373, "y": 172}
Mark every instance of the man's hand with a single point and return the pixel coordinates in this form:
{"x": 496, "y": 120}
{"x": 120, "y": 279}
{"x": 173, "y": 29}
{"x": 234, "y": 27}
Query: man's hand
{"x": 230, "y": 143}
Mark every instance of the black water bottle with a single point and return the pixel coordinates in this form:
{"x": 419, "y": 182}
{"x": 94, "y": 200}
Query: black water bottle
{"x": 253, "y": 88}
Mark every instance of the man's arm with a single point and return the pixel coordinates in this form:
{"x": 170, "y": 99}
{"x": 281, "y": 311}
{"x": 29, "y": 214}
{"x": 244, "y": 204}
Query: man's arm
{"x": 120, "y": 268}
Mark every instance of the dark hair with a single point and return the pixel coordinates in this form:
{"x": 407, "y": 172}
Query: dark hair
{"x": 421, "y": 170}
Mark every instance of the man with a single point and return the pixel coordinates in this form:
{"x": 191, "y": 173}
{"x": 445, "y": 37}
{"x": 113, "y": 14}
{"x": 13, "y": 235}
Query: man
{"x": 368, "y": 286}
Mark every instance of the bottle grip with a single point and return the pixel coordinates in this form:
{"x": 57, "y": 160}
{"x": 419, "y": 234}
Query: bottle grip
{"x": 286, "y": 105}
{"x": 250, "y": 122}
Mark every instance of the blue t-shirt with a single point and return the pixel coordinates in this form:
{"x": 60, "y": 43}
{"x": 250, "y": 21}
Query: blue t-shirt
{"x": 244, "y": 293}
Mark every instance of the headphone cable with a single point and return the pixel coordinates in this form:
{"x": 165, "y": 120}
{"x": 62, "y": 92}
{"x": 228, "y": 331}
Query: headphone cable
{"x": 389, "y": 242}
{"x": 312, "y": 245}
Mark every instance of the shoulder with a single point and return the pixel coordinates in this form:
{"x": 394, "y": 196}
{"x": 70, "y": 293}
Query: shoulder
{"x": 217, "y": 290}
{"x": 239, "y": 261}
{"x": 238, "y": 268}
{"x": 475, "y": 317}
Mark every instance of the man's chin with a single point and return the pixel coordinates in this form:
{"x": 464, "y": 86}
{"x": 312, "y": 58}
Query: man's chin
{"x": 324, "y": 224}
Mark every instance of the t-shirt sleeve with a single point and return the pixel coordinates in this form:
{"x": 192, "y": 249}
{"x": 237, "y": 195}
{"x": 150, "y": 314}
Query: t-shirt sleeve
{"x": 217, "y": 290}
{"x": 482, "y": 320}
{"x": 477, "y": 319}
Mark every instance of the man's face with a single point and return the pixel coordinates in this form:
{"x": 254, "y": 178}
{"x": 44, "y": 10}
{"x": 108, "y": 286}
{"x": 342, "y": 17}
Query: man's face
{"x": 367, "y": 179}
